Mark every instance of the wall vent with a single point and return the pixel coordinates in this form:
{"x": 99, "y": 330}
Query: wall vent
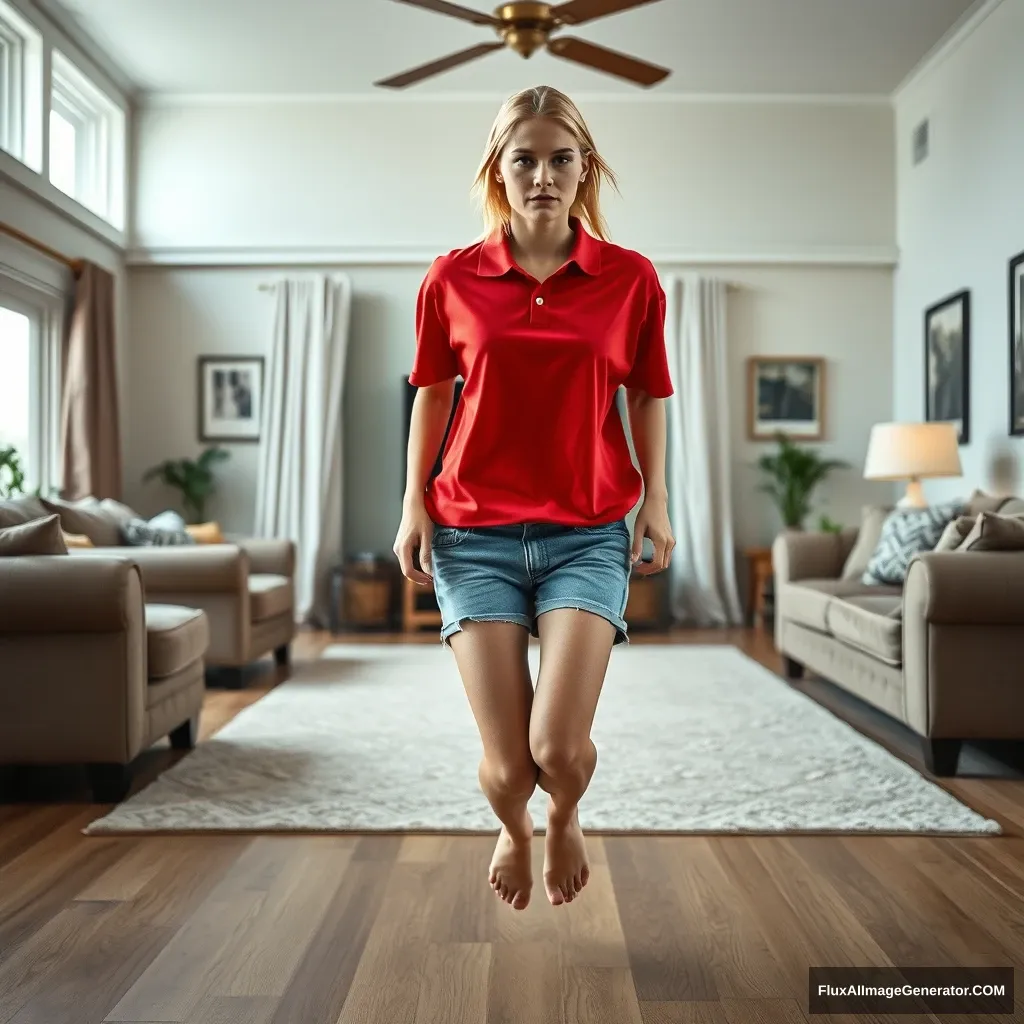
{"x": 921, "y": 141}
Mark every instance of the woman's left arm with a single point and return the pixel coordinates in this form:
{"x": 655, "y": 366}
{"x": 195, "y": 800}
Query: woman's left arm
{"x": 647, "y": 424}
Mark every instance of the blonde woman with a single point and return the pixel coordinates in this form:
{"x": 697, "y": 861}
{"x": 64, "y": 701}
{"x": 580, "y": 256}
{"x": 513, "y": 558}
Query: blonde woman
{"x": 523, "y": 532}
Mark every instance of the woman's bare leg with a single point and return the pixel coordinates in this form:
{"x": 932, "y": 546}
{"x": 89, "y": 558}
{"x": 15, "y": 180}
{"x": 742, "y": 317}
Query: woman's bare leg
{"x": 575, "y": 650}
{"x": 493, "y": 662}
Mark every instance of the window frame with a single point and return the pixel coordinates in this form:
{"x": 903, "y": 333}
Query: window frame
{"x": 100, "y": 132}
{"x": 21, "y": 70}
{"x": 46, "y": 329}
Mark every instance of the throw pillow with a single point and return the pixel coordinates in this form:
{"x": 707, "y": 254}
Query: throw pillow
{"x": 21, "y": 509}
{"x": 905, "y": 533}
{"x": 37, "y": 537}
{"x": 981, "y": 501}
{"x": 872, "y": 517}
{"x": 77, "y": 540}
{"x": 206, "y": 533}
{"x": 163, "y": 529}
{"x": 954, "y": 533}
{"x": 86, "y": 516}
{"x": 994, "y": 532}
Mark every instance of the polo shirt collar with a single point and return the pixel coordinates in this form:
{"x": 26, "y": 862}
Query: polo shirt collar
{"x": 496, "y": 256}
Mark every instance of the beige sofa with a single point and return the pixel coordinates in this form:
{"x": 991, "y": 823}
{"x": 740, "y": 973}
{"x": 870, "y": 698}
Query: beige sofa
{"x": 245, "y": 587}
{"x": 943, "y": 653}
{"x": 89, "y": 673}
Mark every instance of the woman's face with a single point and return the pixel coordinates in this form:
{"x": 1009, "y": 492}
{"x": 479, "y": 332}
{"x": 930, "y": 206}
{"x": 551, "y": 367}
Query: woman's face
{"x": 541, "y": 159}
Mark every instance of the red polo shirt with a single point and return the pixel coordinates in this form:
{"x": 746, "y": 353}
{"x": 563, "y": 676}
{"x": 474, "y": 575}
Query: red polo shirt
{"x": 537, "y": 436}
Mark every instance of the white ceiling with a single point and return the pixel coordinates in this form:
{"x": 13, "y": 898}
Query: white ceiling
{"x": 833, "y": 47}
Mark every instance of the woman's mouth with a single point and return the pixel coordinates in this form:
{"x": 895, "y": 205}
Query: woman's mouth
{"x": 544, "y": 199}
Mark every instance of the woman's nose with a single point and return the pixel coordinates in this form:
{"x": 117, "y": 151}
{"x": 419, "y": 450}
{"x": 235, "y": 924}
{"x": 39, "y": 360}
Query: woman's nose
{"x": 543, "y": 175}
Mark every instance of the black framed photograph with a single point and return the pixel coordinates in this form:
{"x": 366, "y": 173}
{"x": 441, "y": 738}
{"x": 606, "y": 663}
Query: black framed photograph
{"x": 1016, "y": 303}
{"x": 947, "y": 358}
{"x": 786, "y": 394}
{"x": 230, "y": 398}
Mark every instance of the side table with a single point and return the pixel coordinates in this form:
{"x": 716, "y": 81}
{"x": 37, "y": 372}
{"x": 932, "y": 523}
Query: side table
{"x": 759, "y": 571}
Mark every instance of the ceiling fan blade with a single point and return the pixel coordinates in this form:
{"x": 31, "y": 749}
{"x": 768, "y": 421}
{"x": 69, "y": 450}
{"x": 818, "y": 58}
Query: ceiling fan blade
{"x": 453, "y": 60}
{"x": 454, "y": 10}
{"x": 609, "y": 61}
{"x": 576, "y": 12}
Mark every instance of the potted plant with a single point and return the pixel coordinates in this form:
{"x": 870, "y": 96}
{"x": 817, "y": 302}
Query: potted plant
{"x": 193, "y": 478}
{"x": 794, "y": 474}
{"x": 12, "y": 475}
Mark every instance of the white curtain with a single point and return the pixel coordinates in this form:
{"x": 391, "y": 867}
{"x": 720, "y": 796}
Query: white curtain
{"x": 702, "y": 575}
{"x": 299, "y": 492}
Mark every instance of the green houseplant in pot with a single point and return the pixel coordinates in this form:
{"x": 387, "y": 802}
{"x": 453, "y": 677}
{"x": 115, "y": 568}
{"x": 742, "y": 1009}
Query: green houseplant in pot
{"x": 794, "y": 473}
{"x": 12, "y": 475}
{"x": 194, "y": 478}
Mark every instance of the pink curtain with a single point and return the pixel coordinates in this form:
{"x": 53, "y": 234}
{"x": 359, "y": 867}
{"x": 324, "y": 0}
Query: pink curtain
{"x": 90, "y": 422}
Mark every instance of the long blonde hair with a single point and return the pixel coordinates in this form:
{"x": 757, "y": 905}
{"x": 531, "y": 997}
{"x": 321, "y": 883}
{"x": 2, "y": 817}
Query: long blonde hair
{"x": 541, "y": 101}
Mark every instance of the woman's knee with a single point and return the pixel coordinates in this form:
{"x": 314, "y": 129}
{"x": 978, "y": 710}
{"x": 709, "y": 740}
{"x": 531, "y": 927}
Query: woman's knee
{"x": 560, "y": 758}
{"x": 509, "y": 776}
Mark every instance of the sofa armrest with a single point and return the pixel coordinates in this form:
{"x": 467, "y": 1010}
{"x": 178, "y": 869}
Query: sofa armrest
{"x": 61, "y": 594}
{"x": 183, "y": 568}
{"x": 268, "y": 554}
{"x": 984, "y": 588}
{"x": 801, "y": 556}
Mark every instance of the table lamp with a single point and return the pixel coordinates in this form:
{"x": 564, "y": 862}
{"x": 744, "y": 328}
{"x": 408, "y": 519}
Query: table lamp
{"x": 912, "y": 451}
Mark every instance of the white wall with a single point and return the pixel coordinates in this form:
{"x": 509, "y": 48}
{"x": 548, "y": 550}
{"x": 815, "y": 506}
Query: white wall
{"x": 961, "y": 218}
{"x": 792, "y": 203}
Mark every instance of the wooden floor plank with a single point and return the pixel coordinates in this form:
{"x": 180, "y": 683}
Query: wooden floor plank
{"x": 345, "y": 929}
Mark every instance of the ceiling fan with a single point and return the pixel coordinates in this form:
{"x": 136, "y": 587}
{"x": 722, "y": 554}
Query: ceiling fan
{"x": 526, "y": 27}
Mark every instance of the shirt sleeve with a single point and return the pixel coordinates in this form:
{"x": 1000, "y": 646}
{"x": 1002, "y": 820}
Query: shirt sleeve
{"x": 650, "y": 371}
{"x": 434, "y": 360}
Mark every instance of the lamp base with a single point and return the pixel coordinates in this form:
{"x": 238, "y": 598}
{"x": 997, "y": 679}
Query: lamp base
{"x": 914, "y": 496}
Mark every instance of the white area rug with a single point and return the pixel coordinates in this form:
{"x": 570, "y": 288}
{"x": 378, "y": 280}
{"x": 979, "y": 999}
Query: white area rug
{"x": 690, "y": 739}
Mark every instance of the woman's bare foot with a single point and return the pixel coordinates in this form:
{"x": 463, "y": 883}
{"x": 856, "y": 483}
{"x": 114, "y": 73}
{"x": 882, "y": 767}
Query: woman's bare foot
{"x": 566, "y": 868}
{"x": 511, "y": 871}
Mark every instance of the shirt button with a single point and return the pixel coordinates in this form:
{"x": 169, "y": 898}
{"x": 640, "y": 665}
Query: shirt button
{"x": 540, "y": 300}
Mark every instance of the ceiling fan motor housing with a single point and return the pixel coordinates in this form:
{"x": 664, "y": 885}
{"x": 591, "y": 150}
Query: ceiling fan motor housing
{"x": 524, "y": 26}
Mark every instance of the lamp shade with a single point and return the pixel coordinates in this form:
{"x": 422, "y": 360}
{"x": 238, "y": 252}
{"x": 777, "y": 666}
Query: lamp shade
{"x": 904, "y": 451}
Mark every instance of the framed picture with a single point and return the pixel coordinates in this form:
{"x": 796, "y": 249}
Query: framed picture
{"x": 787, "y": 394}
{"x": 1016, "y": 303}
{"x": 230, "y": 398}
{"x": 947, "y": 357}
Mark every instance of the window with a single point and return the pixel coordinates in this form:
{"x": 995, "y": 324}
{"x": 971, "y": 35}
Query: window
{"x": 30, "y": 410}
{"x": 21, "y": 88}
{"x": 87, "y": 138}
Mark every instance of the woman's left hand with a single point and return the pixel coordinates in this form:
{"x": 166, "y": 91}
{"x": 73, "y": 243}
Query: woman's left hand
{"x": 652, "y": 521}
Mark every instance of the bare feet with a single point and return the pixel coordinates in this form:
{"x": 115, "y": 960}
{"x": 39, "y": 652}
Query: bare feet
{"x": 566, "y": 868}
{"x": 511, "y": 871}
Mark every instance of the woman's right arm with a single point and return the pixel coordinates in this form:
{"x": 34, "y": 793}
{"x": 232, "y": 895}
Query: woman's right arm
{"x": 430, "y": 412}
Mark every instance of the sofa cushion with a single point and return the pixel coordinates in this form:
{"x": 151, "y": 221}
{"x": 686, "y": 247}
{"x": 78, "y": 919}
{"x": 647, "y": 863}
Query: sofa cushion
{"x": 905, "y": 533}
{"x": 807, "y": 601}
{"x": 872, "y": 624}
{"x": 175, "y": 637}
{"x": 36, "y": 537}
{"x": 269, "y": 595}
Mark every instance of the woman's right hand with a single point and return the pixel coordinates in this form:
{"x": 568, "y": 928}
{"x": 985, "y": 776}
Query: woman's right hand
{"x": 415, "y": 532}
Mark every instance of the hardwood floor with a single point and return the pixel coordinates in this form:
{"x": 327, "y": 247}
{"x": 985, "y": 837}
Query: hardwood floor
{"x": 394, "y": 929}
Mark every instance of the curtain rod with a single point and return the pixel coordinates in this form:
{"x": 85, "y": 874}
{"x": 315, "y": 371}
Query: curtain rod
{"x": 74, "y": 265}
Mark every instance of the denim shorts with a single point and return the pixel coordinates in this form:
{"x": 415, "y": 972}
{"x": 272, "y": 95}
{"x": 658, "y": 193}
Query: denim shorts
{"x": 513, "y": 573}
